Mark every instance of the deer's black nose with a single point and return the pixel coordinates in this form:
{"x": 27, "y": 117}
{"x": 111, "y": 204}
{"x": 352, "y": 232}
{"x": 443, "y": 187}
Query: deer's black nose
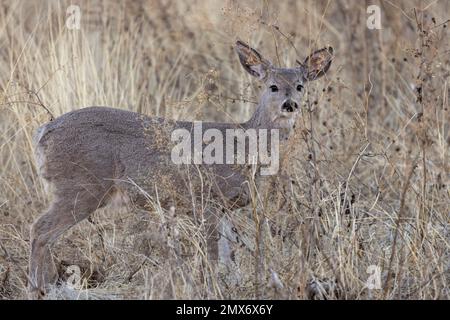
{"x": 289, "y": 106}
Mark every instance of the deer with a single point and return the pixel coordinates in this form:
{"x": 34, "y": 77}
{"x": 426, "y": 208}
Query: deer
{"x": 89, "y": 156}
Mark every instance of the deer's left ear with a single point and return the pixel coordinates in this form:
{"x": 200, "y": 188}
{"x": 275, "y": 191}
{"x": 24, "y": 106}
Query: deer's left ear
{"x": 252, "y": 61}
{"x": 317, "y": 63}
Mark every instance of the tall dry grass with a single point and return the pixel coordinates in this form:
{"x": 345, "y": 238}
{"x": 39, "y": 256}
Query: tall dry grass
{"x": 369, "y": 158}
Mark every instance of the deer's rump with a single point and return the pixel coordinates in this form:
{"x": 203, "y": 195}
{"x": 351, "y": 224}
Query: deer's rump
{"x": 81, "y": 142}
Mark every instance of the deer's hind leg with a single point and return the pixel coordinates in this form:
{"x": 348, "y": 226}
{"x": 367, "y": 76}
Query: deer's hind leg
{"x": 68, "y": 207}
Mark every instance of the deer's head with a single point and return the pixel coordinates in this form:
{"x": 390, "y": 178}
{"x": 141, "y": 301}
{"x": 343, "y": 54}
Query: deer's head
{"x": 283, "y": 87}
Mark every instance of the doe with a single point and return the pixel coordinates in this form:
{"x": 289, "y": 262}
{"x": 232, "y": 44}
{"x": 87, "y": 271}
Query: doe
{"x": 90, "y": 155}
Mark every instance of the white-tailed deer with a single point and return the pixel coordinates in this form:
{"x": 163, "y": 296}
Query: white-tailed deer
{"x": 87, "y": 156}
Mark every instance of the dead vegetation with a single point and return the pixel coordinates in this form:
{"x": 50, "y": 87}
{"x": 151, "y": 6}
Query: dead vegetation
{"x": 368, "y": 162}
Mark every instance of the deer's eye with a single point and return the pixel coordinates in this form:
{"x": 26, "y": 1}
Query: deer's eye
{"x": 273, "y": 88}
{"x": 299, "y": 87}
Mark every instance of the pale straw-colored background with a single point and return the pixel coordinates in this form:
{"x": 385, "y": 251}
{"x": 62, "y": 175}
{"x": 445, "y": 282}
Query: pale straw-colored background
{"x": 369, "y": 156}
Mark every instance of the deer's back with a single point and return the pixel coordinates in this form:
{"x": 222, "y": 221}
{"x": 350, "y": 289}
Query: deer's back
{"x": 105, "y": 146}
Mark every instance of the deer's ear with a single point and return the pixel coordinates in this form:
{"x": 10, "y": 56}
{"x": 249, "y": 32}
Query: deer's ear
{"x": 318, "y": 63}
{"x": 252, "y": 60}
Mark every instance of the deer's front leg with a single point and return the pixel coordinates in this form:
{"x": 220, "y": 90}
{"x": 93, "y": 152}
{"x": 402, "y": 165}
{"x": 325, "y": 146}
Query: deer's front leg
{"x": 212, "y": 234}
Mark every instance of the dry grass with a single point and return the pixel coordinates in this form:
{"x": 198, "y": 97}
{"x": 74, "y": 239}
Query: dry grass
{"x": 369, "y": 157}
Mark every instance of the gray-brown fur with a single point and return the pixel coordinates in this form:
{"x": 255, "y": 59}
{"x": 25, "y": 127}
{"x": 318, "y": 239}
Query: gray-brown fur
{"x": 89, "y": 155}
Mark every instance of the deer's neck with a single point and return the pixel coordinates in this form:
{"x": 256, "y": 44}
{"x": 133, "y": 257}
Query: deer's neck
{"x": 262, "y": 120}
{"x": 259, "y": 120}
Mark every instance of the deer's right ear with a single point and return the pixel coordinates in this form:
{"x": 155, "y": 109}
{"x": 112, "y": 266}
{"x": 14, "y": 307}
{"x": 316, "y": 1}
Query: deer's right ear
{"x": 318, "y": 63}
{"x": 252, "y": 61}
